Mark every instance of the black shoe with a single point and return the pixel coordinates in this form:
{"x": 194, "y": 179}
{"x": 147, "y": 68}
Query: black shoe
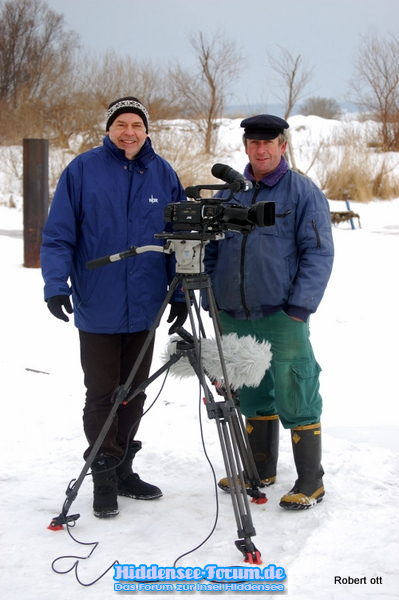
{"x": 134, "y": 487}
{"x": 105, "y": 503}
{"x": 129, "y": 483}
{"x": 105, "y": 480}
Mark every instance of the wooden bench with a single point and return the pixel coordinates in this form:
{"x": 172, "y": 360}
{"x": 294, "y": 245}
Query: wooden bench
{"x": 338, "y": 217}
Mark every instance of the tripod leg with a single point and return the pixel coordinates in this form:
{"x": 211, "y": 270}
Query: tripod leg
{"x": 237, "y": 422}
{"x": 234, "y": 445}
{"x": 239, "y": 498}
{"x": 72, "y": 490}
{"x": 120, "y": 396}
{"x": 150, "y": 336}
{"x": 250, "y": 470}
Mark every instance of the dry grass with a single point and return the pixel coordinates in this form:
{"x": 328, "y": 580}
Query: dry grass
{"x": 348, "y": 169}
{"x": 385, "y": 185}
{"x": 182, "y": 152}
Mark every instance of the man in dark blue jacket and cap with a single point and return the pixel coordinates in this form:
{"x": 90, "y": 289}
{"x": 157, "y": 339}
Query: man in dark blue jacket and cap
{"x": 267, "y": 284}
{"x": 107, "y": 200}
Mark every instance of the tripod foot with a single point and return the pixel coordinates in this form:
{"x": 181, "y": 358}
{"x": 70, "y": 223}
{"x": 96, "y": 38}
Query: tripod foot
{"x": 259, "y": 499}
{"x": 58, "y": 522}
{"x": 253, "y": 558}
{"x": 54, "y": 527}
{"x": 250, "y": 553}
{"x": 257, "y": 496}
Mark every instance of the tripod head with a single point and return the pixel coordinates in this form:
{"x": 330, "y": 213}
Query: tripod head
{"x": 188, "y": 247}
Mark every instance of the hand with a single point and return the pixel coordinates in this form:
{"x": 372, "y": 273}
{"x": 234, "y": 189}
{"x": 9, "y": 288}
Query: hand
{"x": 55, "y": 304}
{"x": 178, "y": 314}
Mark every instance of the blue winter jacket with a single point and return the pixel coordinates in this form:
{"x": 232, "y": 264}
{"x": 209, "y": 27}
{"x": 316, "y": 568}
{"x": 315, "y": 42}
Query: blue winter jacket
{"x": 103, "y": 205}
{"x": 283, "y": 267}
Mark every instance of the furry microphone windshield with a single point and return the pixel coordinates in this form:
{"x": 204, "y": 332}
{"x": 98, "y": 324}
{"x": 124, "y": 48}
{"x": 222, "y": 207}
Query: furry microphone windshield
{"x": 247, "y": 360}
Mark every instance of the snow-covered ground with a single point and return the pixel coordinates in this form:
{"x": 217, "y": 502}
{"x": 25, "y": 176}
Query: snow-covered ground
{"x": 353, "y": 533}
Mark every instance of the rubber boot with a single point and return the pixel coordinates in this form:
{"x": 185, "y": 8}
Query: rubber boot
{"x": 105, "y": 484}
{"x": 308, "y": 489}
{"x": 129, "y": 483}
{"x": 263, "y": 436}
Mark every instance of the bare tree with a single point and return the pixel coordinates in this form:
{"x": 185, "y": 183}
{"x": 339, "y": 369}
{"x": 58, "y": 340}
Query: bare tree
{"x": 35, "y": 49}
{"x": 375, "y": 85}
{"x": 126, "y": 76}
{"x": 292, "y": 77}
{"x": 36, "y": 53}
{"x": 327, "y": 108}
{"x": 202, "y": 95}
{"x": 98, "y": 80}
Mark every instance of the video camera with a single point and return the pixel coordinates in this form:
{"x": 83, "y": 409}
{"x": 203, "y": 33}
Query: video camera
{"x": 216, "y": 215}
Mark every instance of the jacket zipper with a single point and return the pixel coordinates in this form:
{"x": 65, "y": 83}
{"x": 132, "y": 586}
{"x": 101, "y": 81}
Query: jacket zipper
{"x": 242, "y": 260}
{"x": 318, "y": 241}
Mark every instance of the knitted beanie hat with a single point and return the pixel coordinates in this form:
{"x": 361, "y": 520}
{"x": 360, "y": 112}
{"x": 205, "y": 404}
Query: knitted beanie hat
{"x": 129, "y": 104}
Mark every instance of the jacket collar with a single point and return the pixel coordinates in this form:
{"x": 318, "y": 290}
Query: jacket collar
{"x": 145, "y": 155}
{"x": 271, "y": 178}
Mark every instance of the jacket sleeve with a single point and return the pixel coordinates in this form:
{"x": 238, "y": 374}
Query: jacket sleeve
{"x": 316, "y": 254}
{"x": 59, "y": 238}
{"x": 177, "y": 195}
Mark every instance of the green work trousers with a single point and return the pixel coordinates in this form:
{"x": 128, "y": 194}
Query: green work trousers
{"x": 290, "y": 387}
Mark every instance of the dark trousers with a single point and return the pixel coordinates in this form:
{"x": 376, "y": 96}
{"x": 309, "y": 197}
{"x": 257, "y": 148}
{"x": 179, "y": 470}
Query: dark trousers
{"x": 107, "y": 360}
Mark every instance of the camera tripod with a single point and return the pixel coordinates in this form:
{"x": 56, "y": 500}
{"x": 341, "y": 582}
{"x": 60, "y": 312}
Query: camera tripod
{"x": 240, "y": 467}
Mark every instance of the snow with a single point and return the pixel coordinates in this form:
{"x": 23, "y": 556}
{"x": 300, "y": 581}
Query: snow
{"x": 352, "y": 533}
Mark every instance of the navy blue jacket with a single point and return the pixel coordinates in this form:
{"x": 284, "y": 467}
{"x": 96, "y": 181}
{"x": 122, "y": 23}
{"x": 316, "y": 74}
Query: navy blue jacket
{"x": 283, "y": 267}
{"x": 103, "y": 205}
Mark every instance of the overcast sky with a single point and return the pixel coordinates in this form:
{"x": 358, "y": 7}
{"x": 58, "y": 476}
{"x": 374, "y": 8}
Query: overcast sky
{"x": 325, "y": 33}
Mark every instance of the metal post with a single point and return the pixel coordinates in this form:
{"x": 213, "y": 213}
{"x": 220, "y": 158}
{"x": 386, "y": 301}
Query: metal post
{"x": 35, "y": 198}
{"x": 348, "y": 207}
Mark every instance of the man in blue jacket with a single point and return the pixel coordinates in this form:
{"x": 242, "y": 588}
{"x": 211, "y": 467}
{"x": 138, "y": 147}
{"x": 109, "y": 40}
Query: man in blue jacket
{"x": 267, "y": 284}
{"x": 107, "y": 200}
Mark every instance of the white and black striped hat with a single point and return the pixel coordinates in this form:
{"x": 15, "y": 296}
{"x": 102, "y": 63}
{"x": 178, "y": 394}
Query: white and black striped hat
{"x": 129, "y": 104}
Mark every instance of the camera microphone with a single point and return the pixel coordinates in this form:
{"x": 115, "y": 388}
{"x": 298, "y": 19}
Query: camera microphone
{"x": 246, "y": 359}
{"x": 229, "y": 175}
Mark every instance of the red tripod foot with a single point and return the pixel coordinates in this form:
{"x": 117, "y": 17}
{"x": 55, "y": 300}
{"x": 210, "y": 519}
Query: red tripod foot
{"x": 250, "y": 553}
{"x": 253, "y": 558}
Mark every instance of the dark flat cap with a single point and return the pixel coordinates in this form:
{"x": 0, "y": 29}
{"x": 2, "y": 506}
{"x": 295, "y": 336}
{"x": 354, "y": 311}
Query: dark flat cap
{"x": 263, "y": 127}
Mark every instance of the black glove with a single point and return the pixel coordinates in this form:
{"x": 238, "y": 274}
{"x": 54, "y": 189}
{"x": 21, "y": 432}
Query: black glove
{"x": 178, "y": 314}
{"x": 55, "y": 304}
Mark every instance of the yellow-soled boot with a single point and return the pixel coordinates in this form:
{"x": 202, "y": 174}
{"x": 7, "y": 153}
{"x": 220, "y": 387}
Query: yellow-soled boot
{"x": 263, "y": 436}
{"x": 308, "y": 489}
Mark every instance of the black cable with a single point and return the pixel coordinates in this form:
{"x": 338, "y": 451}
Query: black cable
{"x": 139, "y": 418}
{"x": 214, "y": 481}
{"x": 133, "y": 426}
{"x": 216, "y": 493}
{"x": 94, "y": 544}
{"x": 78, "y": 559}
